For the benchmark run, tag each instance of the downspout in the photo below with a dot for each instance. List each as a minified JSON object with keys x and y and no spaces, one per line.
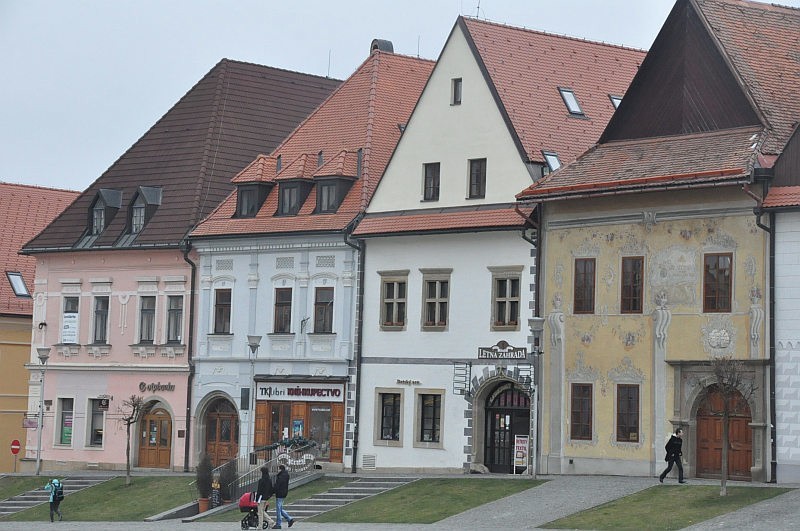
{"x":758,"y":211}
{"x":360,"y":247}
{"x":186,"y":246}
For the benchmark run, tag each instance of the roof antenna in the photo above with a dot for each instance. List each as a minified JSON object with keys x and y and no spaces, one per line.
{"x":417,"y":46}
{"x":478,"y":10}
{"x":329,"y":63}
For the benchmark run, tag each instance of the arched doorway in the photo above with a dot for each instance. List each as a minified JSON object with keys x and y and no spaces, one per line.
{"x":709,"y":438}
{"x":222,"y":431}
{"x":508,"y":413}
{"x":155,"y":447}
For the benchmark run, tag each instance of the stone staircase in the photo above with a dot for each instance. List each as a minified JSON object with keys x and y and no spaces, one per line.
{"x":35,"y":497}
{"x":363,"y":487}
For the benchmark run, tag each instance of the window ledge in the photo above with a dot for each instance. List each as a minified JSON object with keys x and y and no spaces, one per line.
{"x":434,"y":328}
{"x":429,"y":445}
{"x":393,"y":328}
{"x":388,"y":443}
{"x":280,"y":335}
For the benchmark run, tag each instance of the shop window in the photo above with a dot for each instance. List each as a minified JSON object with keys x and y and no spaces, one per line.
{"x":319,"y":429}
{"x":222,"y":311}
{"x":581,"y":412}
{"x":147,"y":319}
{"x":283,"y":311}
{"x":100,"y":320}
{"x":628,"y":413}
{"x":174,"y":318}
{"x":583,"y":289}
{"x":69,"y":321}
{"x":65,"y":415}
{"x":323,"y":311}
{"x":717,"y":282}
{"x":632,"y":273}
{"x":96,"y":423}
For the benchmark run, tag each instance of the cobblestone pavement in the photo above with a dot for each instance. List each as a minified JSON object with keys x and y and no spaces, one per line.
{"x":560,"y":496}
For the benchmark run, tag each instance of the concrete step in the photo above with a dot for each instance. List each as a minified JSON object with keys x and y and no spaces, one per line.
{"x":39,"y":496}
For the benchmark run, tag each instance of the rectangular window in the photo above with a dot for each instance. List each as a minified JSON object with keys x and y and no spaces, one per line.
{"x":100,"y":320}
{"x":65,"y":413}
{"x":505,"y":300}
{"x":222,"y":311}
{"x":571,"y":101}
{"x":435,"y":298}
{"x":581,"y":412}
{"x":390,"y":416}
{"x":96,"y":423}
{"x":431,"y":192}
{"x":323,"y":311}
{"x":18,"y":284}
{"x":552,"y":160}
{"x":98,"y":219}
{"x":283,"y":311}
{"x":717,"y":282}
{"x":455,"y":92}
{"x":627,"y":413}
{"x":174,"y":318}
{"x":430,"y":418}
{"x":289,"y":198}
{"x":147,"y":319}
{"x":248,"y":202}
{"x":69,"y":321}
{"x":393,"y":301}
{"x":326,"y":194}
{"x":632,"y":272}
{"x":477,"y":178}
{"x":584,"y":285}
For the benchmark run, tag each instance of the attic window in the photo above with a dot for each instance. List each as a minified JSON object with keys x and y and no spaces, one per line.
{"x":328,"y":202}
{"x":98,"y":218}
{"x":455,"y":91}
{"x":278,"y":164}
{"x":571,"y":101}
{"x":289,"y":200}
{"x":248,"y":202}
{"x":137,"y":216}
{"x":615,"y":100}
{"x":18,"y":284}
{"x":552,"y":160}
{"x":319,"y":159}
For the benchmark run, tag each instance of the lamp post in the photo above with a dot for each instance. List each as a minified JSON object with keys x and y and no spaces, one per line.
{"x":536,"y":324}
{"x":44,"y":355}
{"x":253,"y":342}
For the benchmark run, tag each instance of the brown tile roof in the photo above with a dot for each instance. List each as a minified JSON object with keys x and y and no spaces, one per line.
{"x":24,"y":211}
{"x":762,"y":41}
{"x":782,"y":196}
{"x":236,"y":111}
{"x":458,"y":219}
{"x":650,"y":163}
{"x":363,"y":113}
{"x":528,"y":67}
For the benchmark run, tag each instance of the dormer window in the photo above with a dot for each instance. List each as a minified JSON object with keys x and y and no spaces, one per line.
{"x":615,"y":100}
{"x":553,"y":162}
{"x":455,"y":91}
{"x":249,"y":198}
{"x":571,"y":101}
{"x":98,"y":218}
{"x":289,"y":201}
{"x":138,"y":215}
{"x":145,"y":203}
{"x":328,"y":202}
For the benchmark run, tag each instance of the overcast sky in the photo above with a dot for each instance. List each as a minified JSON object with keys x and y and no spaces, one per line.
{"x":84,"y":79}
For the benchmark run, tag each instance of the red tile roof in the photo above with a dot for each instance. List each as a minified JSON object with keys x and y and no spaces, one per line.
{"x":761,"y":41}
{"x":442,"y":220}
{"x":363,"y":113}
{"x":782,"y":196}
{"x":24,"y":211}
{"x":649,"y":163}
{"x":236,"y":111}
{"x":528,"y":67}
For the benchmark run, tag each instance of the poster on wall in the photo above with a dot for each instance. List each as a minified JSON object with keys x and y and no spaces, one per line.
{"x":69,"y":328}
{"x":297,"y":428}
{"x":520,"y":453}
{"x":66,"y":428}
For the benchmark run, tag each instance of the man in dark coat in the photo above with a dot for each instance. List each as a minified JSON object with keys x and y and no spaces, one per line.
{"x":281,"y":491}
{"x":263,"y":493}
{"x":674,"y":453}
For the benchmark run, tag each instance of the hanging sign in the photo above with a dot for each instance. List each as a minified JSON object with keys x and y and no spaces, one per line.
{"x":502,"y":351}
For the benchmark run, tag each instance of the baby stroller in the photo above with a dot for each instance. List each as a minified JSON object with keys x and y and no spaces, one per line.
{"x":249,"y":505}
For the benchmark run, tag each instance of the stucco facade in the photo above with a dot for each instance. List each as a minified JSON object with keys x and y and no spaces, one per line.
{"x":662,"y":349}
{"x":15,"y":346}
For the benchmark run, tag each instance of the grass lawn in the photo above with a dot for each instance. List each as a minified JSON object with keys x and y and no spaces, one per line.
{"x":431,"y":500}
{"x":666,"y":507}
{"x":304,"y":491}
{"x":113,"y":501}
{"x":14,"y":485}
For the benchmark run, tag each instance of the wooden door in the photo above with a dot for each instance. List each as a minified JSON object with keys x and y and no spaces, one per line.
{"x":709,"y":440}
{"x":222,"y":432}
{"x":337,"y":432}
{"x":155,"y":447}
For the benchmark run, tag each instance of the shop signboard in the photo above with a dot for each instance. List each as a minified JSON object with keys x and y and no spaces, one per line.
{"x":300,"y":392}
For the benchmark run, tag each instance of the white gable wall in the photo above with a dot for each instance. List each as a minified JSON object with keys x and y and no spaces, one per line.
{"x":451,"y":135}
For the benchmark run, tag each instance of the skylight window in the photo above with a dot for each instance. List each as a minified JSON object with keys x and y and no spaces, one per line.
{"x":571,"y":101}
{"x":18,"y":284}
{"x":552,"y":160}
{"x":615,"y":100}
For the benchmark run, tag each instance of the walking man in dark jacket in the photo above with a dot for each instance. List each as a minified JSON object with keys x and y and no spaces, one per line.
{"x":263,"y":493}
{"x":674,"y":453}
{"x":281,"y":490}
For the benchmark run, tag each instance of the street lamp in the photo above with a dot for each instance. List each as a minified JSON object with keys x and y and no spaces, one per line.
{"x":536,"y":324}
{"x":253,"y":342}
{"x":44,"y":355}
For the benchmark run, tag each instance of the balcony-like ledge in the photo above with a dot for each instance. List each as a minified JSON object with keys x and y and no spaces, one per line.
{"x":172,"y":350}
{"x":98,"y":350}
{"x":143,"y":350}
{"x":68,"y":350}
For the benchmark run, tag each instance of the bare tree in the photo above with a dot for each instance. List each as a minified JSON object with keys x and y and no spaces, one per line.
{"x":735,"y":390}
{"x":130,"y":412}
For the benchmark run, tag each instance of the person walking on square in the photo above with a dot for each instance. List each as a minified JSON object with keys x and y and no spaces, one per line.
{"x":281,"y":491}
{"x":674,"y":455}
{"x":263,"y":493}
{"x":56,"y":490}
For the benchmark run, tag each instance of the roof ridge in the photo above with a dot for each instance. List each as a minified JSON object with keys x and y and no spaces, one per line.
{"x":373,"y":89}
{"x":275,"y":68}
{"x":655,"y":139}
{"x":40,"y":187}
{"x":551,"y":34}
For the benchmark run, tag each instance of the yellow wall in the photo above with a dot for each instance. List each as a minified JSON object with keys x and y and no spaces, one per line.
{"x":15,"y":345}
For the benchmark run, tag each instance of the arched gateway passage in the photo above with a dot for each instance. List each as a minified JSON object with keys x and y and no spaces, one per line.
{"x":508,"y":413}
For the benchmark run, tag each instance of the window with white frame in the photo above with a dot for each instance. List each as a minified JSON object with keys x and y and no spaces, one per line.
{"x":69,"y":321}
{"x":435,"y":298}
{"x":100,"y":323}
{"x":174,"y":318}
{"x":96,"y":422}
{"x":388,"y":417}
{"x":428,"y":423}
{"x":456,"y":86}
{"x":147,"y":319}
{"x":393,"y":299}
{"x":222,"y":311}
{"x":64,"y":418}
{"x":506,"y":286}
{"x":18,"y":284}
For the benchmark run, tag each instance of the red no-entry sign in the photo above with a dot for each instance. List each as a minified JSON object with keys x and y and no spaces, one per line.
{"x":15,"y":447}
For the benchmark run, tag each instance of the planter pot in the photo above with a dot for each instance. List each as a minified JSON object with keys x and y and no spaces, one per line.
{"x":202,"y":505}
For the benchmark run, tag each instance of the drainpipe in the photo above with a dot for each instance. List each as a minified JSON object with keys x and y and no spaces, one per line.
{"x":360,"y":247}
{"x":186,"y":246}
{"x":758,"y":211}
